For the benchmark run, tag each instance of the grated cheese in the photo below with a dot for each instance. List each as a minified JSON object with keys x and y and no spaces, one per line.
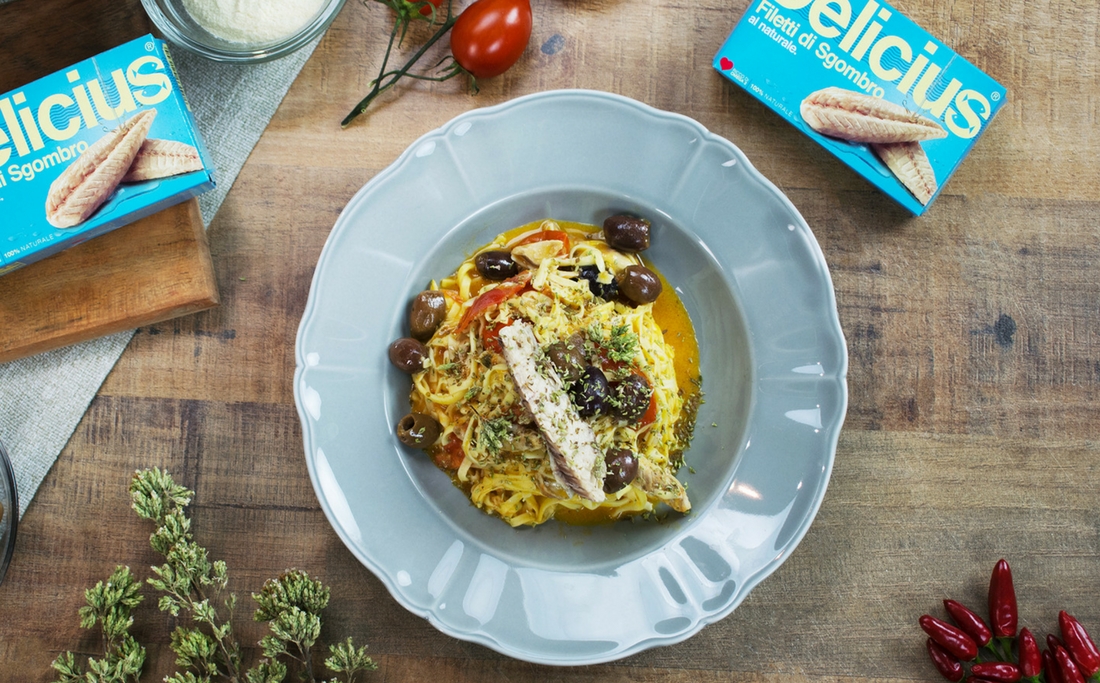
{"x":253,"y":21}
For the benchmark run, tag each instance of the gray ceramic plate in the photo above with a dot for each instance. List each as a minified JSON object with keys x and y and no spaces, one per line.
{"x":772,"y":354}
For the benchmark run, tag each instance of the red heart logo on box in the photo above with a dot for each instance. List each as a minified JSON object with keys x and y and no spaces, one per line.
{"x":725,"y":63}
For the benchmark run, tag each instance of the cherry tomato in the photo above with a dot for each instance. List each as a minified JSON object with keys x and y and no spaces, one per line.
{"x":450,"y":457}
{"x":490,"y":336}
{"x":427,"y":11}
{"x":491,"y":35}
{"x":651,"y":413}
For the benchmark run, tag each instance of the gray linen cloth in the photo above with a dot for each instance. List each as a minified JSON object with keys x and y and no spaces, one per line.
{"x":43,"y":398}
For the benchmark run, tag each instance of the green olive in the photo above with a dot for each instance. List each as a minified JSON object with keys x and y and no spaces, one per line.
{"x":429,"y":310}
{"x":639,"y":284}
{"x":408,"y":355}
{"x":418,"y":430}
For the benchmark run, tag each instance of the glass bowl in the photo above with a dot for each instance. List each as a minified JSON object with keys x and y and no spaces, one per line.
{"x":9,"y":516}
{"x":179,"y":28}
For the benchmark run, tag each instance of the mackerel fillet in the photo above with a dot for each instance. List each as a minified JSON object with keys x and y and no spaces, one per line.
{"x":575,"y":457}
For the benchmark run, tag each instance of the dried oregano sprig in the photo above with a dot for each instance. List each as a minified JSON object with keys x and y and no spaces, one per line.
{"x":188,"y":580}
{"x":193,"y":585}
{"x":109,"y":605}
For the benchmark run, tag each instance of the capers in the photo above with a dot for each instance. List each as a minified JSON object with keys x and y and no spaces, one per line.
{"x":632,"y":397}
{"x":590,"y":392}
{"x":429,"y":310}
{"x":495,"y":264}
{"x":626,"y":233}
{"x":418,"y":430}
{"x":622,"y":468}
{"x":567,"y":358}
{"x":408,"y":355}
{"x":639,"y":284}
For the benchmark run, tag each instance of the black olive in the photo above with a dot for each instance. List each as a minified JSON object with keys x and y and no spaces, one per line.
{"x":418,"y":430}
{"x":495,"y":264}
{"x":429,"y":310}
{"x":626,"y":233}
{"x":408,"y":355}
{"x":567,"y":358}
{"x":639,"y":284}
{"x":590,"y":392}
{"x":622,"y":467}
{"x":608,"y":291}
{"x":632,"y":396}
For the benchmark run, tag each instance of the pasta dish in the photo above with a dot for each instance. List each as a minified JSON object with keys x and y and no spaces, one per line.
{"x":554,"y":375}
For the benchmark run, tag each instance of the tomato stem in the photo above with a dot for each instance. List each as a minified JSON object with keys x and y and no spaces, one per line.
{"x":378,"y":87}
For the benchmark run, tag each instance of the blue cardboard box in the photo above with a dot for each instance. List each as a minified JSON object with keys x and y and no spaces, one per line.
{"x":93,"y":147}
{"x":875,"y":89}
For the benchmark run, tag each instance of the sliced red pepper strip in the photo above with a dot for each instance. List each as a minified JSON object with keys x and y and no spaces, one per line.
{"x":1031,"y":663}
{"x":543,"y":236}
{"x":1002,"y":601}
{"x":946,"y":663}
{"x":1079,"y":644}
{"x":1002,"y":672}
{"x":493,"y":297}
{"x":950,"y":638}
{"x":970,"y":622}
{"x":1068,"y":668}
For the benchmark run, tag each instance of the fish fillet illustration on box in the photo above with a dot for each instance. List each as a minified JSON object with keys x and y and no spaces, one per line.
{"x":93,"y":147}
{"x":872,"y":87}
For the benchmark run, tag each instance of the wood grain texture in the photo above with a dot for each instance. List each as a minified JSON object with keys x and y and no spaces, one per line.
{"x":973,"y":333}
{"x":151,"y":270}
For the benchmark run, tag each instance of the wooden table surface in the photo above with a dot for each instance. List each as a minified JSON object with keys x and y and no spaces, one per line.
{"x":973,"y":333}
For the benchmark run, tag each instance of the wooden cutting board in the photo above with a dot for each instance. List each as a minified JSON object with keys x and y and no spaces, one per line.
{"x":154,"y":269}
{"x":145,"y":272}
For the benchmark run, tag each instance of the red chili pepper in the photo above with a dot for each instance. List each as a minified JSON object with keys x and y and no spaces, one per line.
{"x":1003,"y":672}
{"x":1002,"y":601}
{"x":950,"y":638}
{"x":1050,"y":668}
{"x":1031,"y":664}
{"x":969,"y":622}
{"x":1053,"y":643}
{"x":1070,"y":672}
{"x":1079,"y":644}
{"x":946,"y":663}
